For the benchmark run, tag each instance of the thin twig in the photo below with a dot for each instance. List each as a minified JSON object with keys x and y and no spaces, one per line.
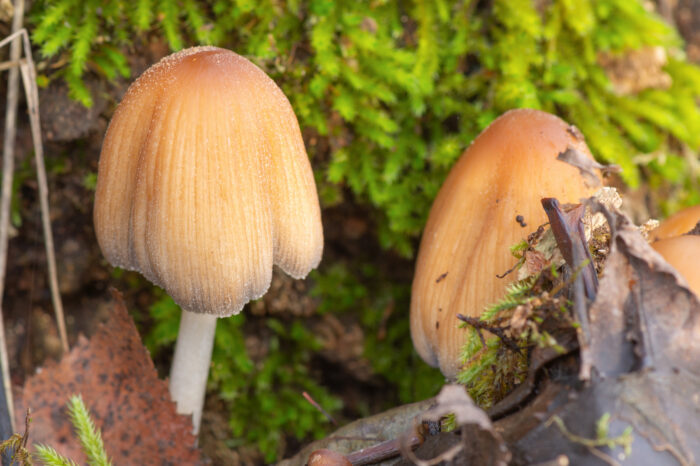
{"x":480,"y":325}
{"x":6,"y":65}
{"x":28,"y":73}
{"x":8,"y":168}
{"x":29,"y":79}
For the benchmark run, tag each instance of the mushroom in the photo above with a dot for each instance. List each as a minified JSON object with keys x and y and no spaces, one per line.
{"x":204,"y":184}
{"x":493,"y":189}
{"x":325,"y":457}
{"x":683,"y":253}
{"x":677,"y":224}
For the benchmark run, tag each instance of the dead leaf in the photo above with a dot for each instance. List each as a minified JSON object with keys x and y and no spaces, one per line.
{"x":642,"y":364}
{"x":644,"y":316}
{"x":366,"y":432}
{"x":586,"y":166}
{"x":118,"y":382}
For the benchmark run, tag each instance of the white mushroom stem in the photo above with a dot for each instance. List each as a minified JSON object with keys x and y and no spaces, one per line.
{"x":190,"y":369}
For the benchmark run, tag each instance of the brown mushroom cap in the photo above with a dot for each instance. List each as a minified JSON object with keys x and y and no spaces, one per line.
{"x":504,"y":174}
{"x":683,"y":253}
{"x":325,"y":457}
{"x":677,"y":224}
{"x":204,"y":182}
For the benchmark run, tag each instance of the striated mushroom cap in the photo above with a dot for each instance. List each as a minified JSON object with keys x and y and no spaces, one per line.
{"x":677,"y":224}
{"x":505,"y":173}
{"x":683,"y":253}
{"x":204,"y":182}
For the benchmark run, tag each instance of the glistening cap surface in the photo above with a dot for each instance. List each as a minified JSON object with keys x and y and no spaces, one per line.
{"x":204,"y":182}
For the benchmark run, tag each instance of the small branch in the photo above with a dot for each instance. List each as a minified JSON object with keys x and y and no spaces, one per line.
{"x":29,"y":79}
{"x":479,"y":325}
{"x":6,"y":65}
{"x":567,"y":228}
{"x":8,"y":168}
{"x":27,"y":69}
{"x":571,"y":240}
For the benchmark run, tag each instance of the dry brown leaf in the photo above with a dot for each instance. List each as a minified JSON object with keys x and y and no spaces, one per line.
{"x":644,"y":316}
{"x":118,"y":382}
{"x":586,"y":166}
{"x":366,"y":432}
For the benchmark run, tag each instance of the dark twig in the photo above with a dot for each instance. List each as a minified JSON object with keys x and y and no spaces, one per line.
{"x":480,"y":325}
{"x":512,"y":269}
{"x":568,"y":231}
{"x":567,"y":228}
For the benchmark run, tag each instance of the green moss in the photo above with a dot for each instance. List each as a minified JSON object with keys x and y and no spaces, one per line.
{"x":269,"y":390}
{"x":389,"y":93}
{"x":399,"y":89}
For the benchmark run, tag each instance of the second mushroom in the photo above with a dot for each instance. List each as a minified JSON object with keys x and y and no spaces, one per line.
{"x":490,"y":196}
{"x":203,"y":185}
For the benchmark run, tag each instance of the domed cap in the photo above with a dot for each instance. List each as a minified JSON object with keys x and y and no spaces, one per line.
{"x":677,"y":224}
{"x":683,"y":253}
{"x":204,"y":182}
{"x":495,"y":186}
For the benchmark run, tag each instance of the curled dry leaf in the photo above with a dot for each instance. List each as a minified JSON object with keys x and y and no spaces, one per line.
{"x":367,"y":432}
{"x":652,"y":413}
{"x":642,"y":364}
{"x":586,"y":165}
{"x":644,"y":316}
{"x":118,"y":382}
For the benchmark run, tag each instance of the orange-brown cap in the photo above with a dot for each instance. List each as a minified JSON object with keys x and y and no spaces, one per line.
{"x":677,"y":224}
{"x":204,"y":182}
{"x":325,"y":457}
{"x":683,"y":253}
{"x":508,"y":168}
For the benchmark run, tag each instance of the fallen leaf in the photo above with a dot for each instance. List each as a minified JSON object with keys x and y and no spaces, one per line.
{"x":366,"y":432}
{"x":586,"y":166}
{"x":642,"y":365}
{"x":658,"y":410}
{"x":120,"y":387}
{"x":645,"y":316}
